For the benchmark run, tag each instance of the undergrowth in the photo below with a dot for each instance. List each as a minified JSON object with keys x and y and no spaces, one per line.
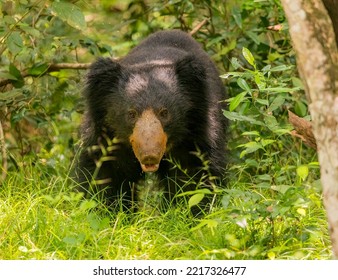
{"x":41,"y":218}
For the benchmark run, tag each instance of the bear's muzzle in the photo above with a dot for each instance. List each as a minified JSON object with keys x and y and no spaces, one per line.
{"x":148,"y":141}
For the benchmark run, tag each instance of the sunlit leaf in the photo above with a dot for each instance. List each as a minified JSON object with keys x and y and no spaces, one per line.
{"x":195,"y":199}
{"x":266,"y":142}
{"x":236,"y":101}
{"x":301,"y":211}
{"x":260,"y":81}
{"x":69,"y":13}
{"x":38,"y":69}
{"x":303,"y":172}
{"x":280,"y":68}
{"x":248,"y":56}
{"x":251,"y":133}
{"x":280,"y":89}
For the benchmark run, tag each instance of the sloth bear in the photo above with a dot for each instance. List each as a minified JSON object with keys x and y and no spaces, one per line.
{"x":162,"y":103}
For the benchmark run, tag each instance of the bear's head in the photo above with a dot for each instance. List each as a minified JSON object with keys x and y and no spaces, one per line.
{"x":147,"y":105}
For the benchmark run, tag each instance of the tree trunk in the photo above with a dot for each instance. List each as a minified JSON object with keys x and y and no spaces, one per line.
{"x":332,"y":8}
{"x":317,"y":61}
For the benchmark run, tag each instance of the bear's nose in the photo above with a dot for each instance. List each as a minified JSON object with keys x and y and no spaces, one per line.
{"x":150,"y":163}
{"x":148,"y":141}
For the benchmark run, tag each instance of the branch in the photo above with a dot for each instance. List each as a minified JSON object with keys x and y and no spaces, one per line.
{"x":74,"y":66}
{"x":303,"y":130}
{"x":198,"y":27}
{"x":53,"y":67}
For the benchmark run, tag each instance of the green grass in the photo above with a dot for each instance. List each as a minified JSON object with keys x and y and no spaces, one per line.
{"x":41,"y":218}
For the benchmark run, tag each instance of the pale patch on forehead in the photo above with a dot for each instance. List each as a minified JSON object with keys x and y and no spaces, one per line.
{"x":152,"y":63}
{"x":166,"y":76}
{"x":160,"y":70}
{"x":136,"y":83}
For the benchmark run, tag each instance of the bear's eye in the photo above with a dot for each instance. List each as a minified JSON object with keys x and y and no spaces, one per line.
{"x":132,"y":115}
{"x":163,"y":114}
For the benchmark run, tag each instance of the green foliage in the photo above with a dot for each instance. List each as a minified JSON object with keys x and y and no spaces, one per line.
{"x":271,"y":188}
{"x":33,"y":35}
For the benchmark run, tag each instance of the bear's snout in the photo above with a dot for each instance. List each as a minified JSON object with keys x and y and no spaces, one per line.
{"x":148,"y":141}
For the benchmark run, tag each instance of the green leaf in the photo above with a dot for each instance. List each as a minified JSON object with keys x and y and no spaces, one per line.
{"x":313,"y":164}
{"x":271,"y":255}
{"x":303,"y":172}
{"x":260,"y":80}
{"x":14,"y":43}
{"x":264,"y":177}
{"x":276,"y":103}
{"x":236,"y":13}
{"x":195,"y":199}
{"x":211,"y":224}
{"x":266,"y":142}
{"x":229,"y":47}
{"x":281,"y":188}
{"x":280,"y":68}
{"x":38,"y":69}
{"x":236,"y":101}
{"x":262,"y":101}
{"x":243,"y":84}
{"x":300,"y":109}
{"x":251,"y":133}
{"x":231,"y":74}
{"x":7,"y":76}
{"x":234,"y":116}
{"x":254,"y":37}
{"x":70,"y":14}
{"x":235,"y":63}
{"x":248,"y":57}
{"x":280,"y":89}
{"x":70,"y":240}
{"x":271,"y":122}
{"x":86,"y":205}
{"x":301,"y":211}
{"x":266,"y":69}
{"x":10,"y":95}
{"x":297,"y":82}
{"x":30,"y":30}
{"x":200,"y":191}
{"x":250,"y":147}
{"x":18,"y":82}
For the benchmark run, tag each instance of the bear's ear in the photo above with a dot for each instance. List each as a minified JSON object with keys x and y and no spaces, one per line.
{"x":190,"y":71}
{"x":103,"y":76}
{"x":102,"y":81}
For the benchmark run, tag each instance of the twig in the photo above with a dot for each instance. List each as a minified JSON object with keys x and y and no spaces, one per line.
{"x":51,"y":68}
{"x":75,"y":66}
{"x":198,"y":26}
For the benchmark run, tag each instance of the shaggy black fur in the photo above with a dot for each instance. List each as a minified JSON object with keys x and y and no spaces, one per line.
{"x":170,"y":71}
